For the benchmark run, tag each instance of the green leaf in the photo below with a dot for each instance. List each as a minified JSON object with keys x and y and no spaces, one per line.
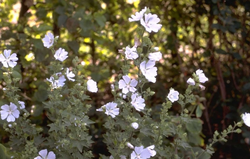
{"x":100,"y":19}
{"x":74,"y":45}
{"x":198,"y":112}
{"x":220,"y":51}
{"x":16,"y":74}
{"x":62,"y":20}
{"x":3,"y":152}
{"x":194,"y":125}
{"x":41,"y":95}
{"x":202,"y":154}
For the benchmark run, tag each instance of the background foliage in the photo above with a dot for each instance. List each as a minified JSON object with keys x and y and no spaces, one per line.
{"x":209,"y":34}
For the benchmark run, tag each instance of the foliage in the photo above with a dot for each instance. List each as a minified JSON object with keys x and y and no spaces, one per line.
{"x":211,"y":35}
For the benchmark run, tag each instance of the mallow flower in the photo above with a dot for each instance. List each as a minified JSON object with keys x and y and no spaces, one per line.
{"x":173,"y":95}
{"x":148,"y":70}
{"x":92,"y":86}
{"x":22,"y":104}
{"x":48,"y":40}
{"x":70,"y":75}
{"x":135,"y":125}
{"x":131,"y":53}
{"x":246,"y":118}
{"x":57,"y":83}
{"x":155,"y":56}
{"x":61,"y":54}
{"x":43,"y":154}
{"x":151,"y":22}
{"x":201,"y":75}
{"x":191,"y":81}
{"x":110,"y":109}
{"x":127,"y":85}
{"x":151,"y":150}
{"x":10,"y":112}
{"x":137,"y":101}
{"x":8,"y":59}
{"x":138,"y":15}
{"x":140,"y":153}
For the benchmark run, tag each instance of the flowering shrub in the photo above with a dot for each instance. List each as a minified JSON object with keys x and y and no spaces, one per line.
{"x":132,"y":129}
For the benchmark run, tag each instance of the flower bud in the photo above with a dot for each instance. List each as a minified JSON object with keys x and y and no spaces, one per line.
{"x":130,"y":145}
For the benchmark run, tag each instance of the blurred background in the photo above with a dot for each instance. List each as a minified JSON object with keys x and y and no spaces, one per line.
{"x":212,"y":35}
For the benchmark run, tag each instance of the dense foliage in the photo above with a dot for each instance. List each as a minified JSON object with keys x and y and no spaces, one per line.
{"x":212,"y":35}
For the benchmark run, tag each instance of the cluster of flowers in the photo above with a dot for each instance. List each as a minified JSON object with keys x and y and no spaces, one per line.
{"x":126,"y":84}
{"x":62,"y":55}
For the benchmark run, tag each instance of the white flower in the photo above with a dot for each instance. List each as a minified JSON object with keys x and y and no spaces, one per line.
{"x":10,"y":112}
{"x":156,"y":48}
{"x":202,"y":87}
{"x":48,"y":40}
{"x":140,"y":153}
{"x":151,"y":150}
{"x":148,"y":70}
{"x":246,"y":119}
{"x":135,"y":125}
{"x":22,"y":104}
{"x":122,"y":157}
{"x":110,"y":109}
{"x":138,"y":15}
{"x":130,"y":145}
{"x":191,"y":81}
{"x":127,"y":85}
{"x":57,"y":83}
{"x":137,"y":102}
{"x":61,"y":54}
{"x":156,"y":56}
{"x":150,"y":23}
{"x":70,"y":75}
{"x":173,"y":95}
{"x":45,"y":155}
{"x":92,"y":86}
{"x":7,"y":59}
{"x":131,"y":53}
{"x":201,"y":75}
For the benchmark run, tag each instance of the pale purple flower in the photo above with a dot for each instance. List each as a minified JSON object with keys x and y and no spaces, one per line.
{"x":201,"y":75}
{"x":137,"y":102}
{"x":22,"y":104}
{"x":8,"y":59}
{"x":61,"y":54}
{"x":155,"y":56}
{"x":138,"y":15}
{"x":246,"y":118}
{"x":148,"y":70}
{"x":151,"y":150}
{"x":191,"y":81}
{"x":110,"y":109}
{"x":150,"y":22}
{"x":70,"y":75}
{"x":57,"y":83}
{"x":48,"y":40}
{"x":45,"y":155}
{"x":135,"y":125}
{"x":92,"y":86}
{"x":140,"y":153}
{"x":127,"y":85}
{"x":10,"y":112}
{"x":173,"y":95}
{"x":131,"y":53}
